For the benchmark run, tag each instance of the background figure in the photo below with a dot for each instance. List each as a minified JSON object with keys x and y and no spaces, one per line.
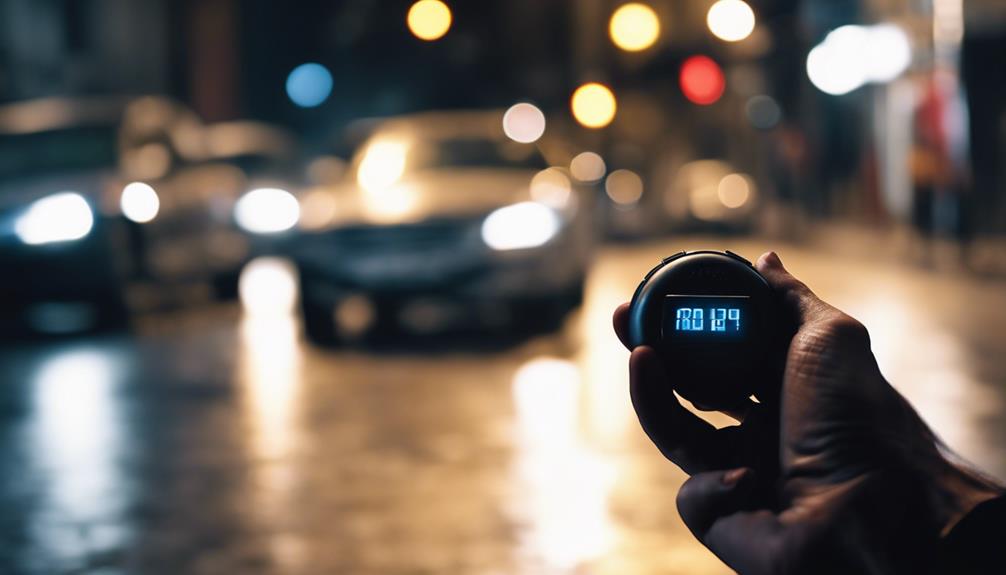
{"x":939,"y":165}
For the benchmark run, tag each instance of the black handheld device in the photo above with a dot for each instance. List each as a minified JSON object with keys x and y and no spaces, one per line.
{"x":715,"y":322}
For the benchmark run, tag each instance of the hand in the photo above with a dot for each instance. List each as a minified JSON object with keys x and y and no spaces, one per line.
{"x":841,"y":476}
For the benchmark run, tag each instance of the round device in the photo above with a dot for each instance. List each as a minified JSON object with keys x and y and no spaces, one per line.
{"x":715,"y":322}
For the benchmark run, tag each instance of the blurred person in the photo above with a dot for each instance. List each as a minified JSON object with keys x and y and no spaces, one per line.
{"x":857,"y":483}
{"x":939,"y":164}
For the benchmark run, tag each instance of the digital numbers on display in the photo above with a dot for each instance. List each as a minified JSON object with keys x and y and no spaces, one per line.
{"x":713,"y":319}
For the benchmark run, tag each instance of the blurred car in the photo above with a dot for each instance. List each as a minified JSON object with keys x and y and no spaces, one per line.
{"x":215,"y":214}
{"x":442,"y":224}
{"x":62,"y":164}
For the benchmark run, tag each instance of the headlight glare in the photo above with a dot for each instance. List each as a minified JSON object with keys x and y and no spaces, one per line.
{"x":520,"y":226}
{"x":267,"y":211}
{"x":61,"y":217}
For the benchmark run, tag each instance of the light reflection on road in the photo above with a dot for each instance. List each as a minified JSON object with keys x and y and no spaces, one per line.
{"x":78,"y":438}
{"x":565,"y":484}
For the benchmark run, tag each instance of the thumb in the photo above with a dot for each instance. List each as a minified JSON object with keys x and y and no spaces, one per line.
{"x":799,"y":300}
{"x":714,"y":506}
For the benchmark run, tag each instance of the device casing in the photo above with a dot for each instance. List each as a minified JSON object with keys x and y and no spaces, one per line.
{"x":713,"y":374}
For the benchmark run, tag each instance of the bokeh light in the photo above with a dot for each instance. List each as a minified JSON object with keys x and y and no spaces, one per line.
{"x":851,"y":56}
{"x":61,"y":217}
{"x":634,"y":27}
{"x":524,"y":123}
{"x":429,"y":19}
{"x":309,"y":85}
{"x":890,"y":53}
{"x":763,"y":112}
{"x":702,"y":80}
{"x":733,"y":190}
{"x":731,"y":20}
{"x":268,"y":286}
{"x":587,"y":167}
{"x":382,"y":165}
{"x":139,"y":202}
{"x":593,"y":105}
{"x":836,"y":66}
{"x":624,"y":187}
{"x":267,"y":211}
{"x":551,"y":187}
{"x":520,"y":226}
{"x":317,"y":209}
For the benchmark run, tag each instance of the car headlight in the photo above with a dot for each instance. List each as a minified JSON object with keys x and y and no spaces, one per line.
{"x":267,"y":211}
{"x":520,"y":226}
{"x":61,"y":217}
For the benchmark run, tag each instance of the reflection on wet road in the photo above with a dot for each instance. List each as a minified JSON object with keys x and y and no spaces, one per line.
{"x":218,"y":442}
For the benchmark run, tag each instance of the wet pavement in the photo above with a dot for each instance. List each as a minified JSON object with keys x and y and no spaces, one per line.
{"x":218,"y":442}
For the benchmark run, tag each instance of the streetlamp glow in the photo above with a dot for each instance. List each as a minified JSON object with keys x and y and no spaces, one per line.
{"x":634,"y":27}
{"x":593,"y":105}
{"x":429,"y":19}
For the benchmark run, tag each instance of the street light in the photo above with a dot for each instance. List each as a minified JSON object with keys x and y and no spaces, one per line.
{"x":593,"y":105}
{"x":731,"y":20}
{"x":634,"y":27}
{"x":429,"y":19}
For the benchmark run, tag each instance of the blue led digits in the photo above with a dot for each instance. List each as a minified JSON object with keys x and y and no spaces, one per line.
{"x":721,"y":319}
{"x":699,"y":316}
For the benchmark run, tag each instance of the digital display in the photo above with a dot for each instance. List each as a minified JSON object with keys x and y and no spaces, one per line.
{"x":705,"y":316}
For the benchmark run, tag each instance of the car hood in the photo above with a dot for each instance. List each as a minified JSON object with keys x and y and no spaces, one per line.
{"x":427,"y":195}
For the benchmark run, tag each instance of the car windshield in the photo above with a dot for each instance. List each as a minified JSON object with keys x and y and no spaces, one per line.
{"x":386,"y":154}
{"x":477,"y":153}
{"x":58,"y":151}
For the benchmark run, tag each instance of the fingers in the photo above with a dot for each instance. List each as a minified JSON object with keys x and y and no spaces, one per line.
{"x":713,"y":506}
{"x":620,"y":320}
{"x":802,"y":302}
{"x":683,"y":437}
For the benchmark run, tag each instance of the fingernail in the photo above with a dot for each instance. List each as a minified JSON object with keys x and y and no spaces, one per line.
{"x":734,"y":475}
{"x":772,"y":259}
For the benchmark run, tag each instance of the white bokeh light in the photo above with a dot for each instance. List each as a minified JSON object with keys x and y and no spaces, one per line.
{"x":852,"y":56}
{"x":267,"y":211}
{"x":61,"y":217}
{"x":731,"y":20}
{"x":890,"y":53}
{"x":524,"y":123}
{"x":268,"y":286}
{"x":139,"y":202}
{"x":520,"y":226}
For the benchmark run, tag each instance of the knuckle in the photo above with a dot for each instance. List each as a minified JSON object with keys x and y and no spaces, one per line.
{"x":846,"y":330}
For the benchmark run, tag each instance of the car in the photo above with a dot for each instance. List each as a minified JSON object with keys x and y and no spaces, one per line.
{"x":62,"y":164}
{"x":108,"y":206}
{"x":441,"y":225}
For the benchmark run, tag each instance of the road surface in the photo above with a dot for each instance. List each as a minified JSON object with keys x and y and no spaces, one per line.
{"x":217,"y":441}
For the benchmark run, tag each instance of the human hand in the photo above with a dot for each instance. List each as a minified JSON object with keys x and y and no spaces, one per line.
{"x":841,"y":476}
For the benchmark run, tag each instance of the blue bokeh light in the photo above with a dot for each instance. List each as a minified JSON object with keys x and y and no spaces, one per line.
{"x":309,"y":85}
